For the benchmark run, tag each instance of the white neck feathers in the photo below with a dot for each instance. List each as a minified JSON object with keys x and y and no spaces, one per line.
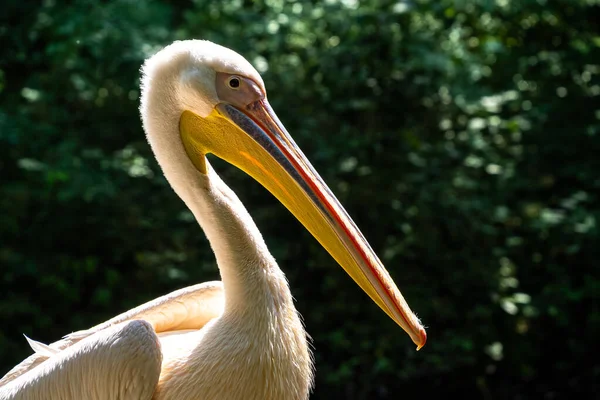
{"x":174,"y":81}
{"x":258,"y":302}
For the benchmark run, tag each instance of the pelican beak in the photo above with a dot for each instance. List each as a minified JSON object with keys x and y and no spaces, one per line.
{"x":253,"y":139}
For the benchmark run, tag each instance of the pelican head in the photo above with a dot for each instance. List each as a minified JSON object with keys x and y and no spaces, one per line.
{"x":219,"y":103}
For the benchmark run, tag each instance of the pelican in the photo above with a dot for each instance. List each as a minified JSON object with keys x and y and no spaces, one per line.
{"x":241,"y":337}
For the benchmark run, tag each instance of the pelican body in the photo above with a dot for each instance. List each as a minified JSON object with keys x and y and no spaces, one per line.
{"x":241,"y":337}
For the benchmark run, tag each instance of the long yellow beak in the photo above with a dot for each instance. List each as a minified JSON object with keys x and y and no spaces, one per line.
{"x":254,"y":140}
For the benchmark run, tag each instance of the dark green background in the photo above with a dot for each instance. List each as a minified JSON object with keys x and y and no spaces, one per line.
{"x":462,"y":136}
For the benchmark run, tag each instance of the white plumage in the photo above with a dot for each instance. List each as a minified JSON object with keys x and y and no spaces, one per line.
{"x":242,"y":338}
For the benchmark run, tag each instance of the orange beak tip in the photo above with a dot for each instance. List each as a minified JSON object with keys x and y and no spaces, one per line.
{"x":422,"y":339}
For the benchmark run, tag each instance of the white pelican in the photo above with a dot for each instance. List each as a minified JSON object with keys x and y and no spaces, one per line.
{"x":242,"y":338}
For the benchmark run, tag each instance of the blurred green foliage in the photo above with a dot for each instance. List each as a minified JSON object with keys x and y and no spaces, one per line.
{"x":462,"y":136}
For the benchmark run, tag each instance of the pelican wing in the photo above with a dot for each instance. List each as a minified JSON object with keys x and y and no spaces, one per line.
{"x":120,"y":362}
{"x":188,"y":308}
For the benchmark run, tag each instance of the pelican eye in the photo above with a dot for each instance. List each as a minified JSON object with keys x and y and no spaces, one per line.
{"x":234,"y":82}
